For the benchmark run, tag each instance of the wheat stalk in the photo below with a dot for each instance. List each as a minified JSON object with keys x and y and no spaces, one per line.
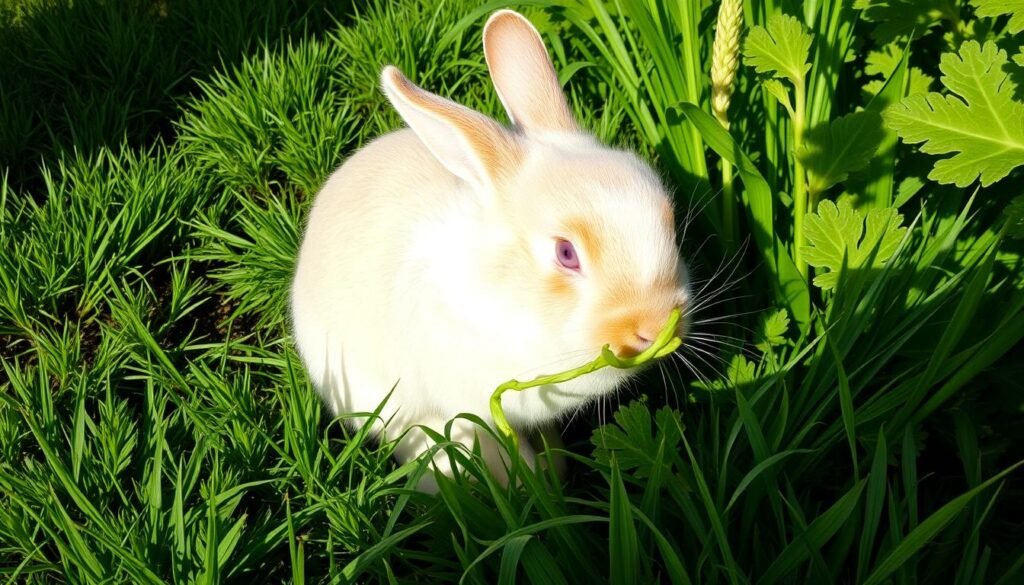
{"x":725,"y":57}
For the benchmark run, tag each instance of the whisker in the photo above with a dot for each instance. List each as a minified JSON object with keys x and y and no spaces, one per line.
{"x":717,"y":319}
{"x":720,"y":373}
{"x":709,"y":354}
{"x":711,"y":339}
{"x":700,"y":376}
{"x":709,"y":302}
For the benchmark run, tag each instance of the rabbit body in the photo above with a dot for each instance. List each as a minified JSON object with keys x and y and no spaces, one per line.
{"x":428,"y":262}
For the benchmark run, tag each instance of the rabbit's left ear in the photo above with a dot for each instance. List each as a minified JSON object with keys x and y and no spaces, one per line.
{"x":472,"y":146}
{"x":523,"y":75}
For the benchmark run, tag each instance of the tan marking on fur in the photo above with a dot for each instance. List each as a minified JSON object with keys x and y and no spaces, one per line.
{"x":668,"y":215}
{"x":558,"y":286}
{"x":582,"y":233}
{"x":621,"y":295}
{"x":620,"y":333}
{"x":496,"y":148}
{"x":665,"y":285}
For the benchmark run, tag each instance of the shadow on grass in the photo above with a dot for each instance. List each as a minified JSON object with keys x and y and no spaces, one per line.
{"x":87,"y":74}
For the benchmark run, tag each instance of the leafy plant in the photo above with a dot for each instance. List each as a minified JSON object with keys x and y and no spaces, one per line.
{"x":854,"y":420}
{"x":950,"y":123}
{"x":840,"y":239}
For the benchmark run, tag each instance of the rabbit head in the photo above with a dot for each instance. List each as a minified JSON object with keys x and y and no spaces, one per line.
{"x":581,"y":234}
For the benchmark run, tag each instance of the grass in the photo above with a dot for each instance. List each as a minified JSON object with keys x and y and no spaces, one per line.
{"x":157,"y":160}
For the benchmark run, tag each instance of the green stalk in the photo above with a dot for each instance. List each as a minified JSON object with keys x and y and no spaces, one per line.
{"x":729,"y":203}
{"x":799,"y":177}
{"x":725,"y":61}
{"x":664,"y":344}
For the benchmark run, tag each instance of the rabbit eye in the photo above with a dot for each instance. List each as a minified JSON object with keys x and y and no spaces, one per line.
{"x":566,"y":255}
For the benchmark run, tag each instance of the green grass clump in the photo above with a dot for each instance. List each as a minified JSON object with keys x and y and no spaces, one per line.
{"x":88,"y":74}
{"x":843,"y":410}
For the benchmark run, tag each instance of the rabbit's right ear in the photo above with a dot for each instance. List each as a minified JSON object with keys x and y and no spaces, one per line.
{"x":524,"y":76}
{"x":470,"y":145}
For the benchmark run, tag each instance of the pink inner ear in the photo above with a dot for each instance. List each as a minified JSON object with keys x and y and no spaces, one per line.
{"x":523,"y":75}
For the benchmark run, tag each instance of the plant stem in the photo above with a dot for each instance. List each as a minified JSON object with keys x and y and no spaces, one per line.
{"x":728,"y":203}
{"x":799,"y":178}
{"x":664,"y":344}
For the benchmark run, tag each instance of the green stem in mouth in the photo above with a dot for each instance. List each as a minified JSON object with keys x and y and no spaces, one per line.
{"x":665,"y":343}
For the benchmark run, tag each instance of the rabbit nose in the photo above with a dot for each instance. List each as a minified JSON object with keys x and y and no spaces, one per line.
{"x":642,"y":341}
{"x":634,"y":347}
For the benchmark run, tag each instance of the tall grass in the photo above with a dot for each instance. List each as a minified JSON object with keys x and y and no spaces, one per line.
{"x":849,"y":417}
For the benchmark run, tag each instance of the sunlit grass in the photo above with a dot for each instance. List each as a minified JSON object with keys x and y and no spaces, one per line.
{"x":156,"y":424}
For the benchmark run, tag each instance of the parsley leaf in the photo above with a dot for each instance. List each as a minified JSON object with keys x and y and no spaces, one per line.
{"x":773,"y":331}
{"x":994,"y":8}
{"x":837,"y":231}
{"x":982,"y":123}
{"x":781,"y":49}
{"x":740,"y":370}
{"x":883,"y":62}
{"x":900,"y":18}
{"x":775,"y":88}
{"x":634,"y":440}
{"x":830,"y":152}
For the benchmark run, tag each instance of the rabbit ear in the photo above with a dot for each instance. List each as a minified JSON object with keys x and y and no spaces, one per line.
{"x":523,"y":75}
{"x":470,"y":145}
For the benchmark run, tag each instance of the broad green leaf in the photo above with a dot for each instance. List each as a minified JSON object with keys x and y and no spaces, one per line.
{"x":773,"y":331}
{"x":837,"y":231}
{"x":781,"y":49}
{"x":981,"y":124}
{"x":900,"y":18}
{"x":996,"y":8}
{"x":884,"y":62}
{"x":635,"y":437}
{"x":830,"y":153}
{"x":741,"y":370}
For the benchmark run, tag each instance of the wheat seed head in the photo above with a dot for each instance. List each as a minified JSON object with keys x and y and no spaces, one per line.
{"x":725,"y":57}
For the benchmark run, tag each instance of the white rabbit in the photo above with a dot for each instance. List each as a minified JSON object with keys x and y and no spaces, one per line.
{"x":444,"y":259}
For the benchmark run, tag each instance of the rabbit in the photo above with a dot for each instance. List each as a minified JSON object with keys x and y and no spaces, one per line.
{"x":443,"y":259}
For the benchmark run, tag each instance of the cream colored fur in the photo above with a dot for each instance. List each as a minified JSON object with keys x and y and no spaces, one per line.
{"x":427,"y":263}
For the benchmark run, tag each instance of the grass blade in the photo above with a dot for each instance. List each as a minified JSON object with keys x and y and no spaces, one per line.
{"x":929,"y":529}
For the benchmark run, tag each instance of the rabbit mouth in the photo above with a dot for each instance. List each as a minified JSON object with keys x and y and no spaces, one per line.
{"x":630,"y":332}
